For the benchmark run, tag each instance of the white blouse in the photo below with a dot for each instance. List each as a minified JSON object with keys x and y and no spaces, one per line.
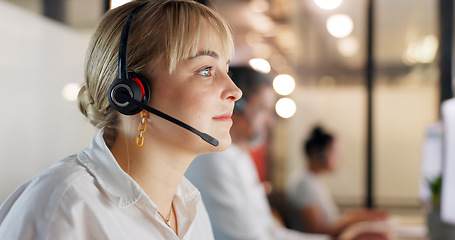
{"x":235,"y":198}
{"x":88,"y":196}
{"x":305,"y":189}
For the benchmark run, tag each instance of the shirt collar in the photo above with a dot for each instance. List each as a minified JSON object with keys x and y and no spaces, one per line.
{"x":185,"y":203}
{"x":100,"y":162}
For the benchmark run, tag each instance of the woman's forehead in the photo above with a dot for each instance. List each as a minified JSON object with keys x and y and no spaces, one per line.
{"x":211,"y":41}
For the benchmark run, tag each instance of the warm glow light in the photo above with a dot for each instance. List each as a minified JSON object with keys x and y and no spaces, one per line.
{"x":348,"y":46}
{"x":286,"y":38}
{"x":260,"y":65}
{"x":261,"y":22}
{"x":284,"y":84}
{"x":328,"y":4}
{"x":285,"y":107}
{"x":253,"y":37}
{"x":259,"y":5}
{"x":428,"y":48}
{"x":340,"y":25}
{"x":422,"y":51}
{"x":116,"y":3}
{"x":70,"y":91}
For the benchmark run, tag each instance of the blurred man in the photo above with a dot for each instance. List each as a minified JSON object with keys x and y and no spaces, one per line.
{"x":228,"y":181}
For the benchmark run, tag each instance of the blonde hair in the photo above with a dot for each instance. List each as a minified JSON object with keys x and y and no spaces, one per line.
{"x":164,"y":31}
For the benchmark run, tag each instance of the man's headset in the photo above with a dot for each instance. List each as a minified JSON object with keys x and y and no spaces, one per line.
{"x":129,"y":93}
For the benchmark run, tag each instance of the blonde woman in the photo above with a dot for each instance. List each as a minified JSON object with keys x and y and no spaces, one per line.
{"x":128,"y":183}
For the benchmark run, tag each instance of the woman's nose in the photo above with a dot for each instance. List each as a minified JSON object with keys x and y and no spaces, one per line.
{"x":232,"y":92}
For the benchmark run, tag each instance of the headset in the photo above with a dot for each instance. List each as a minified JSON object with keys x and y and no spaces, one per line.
{"x":129,"y":93}
{"x":127,"y":83}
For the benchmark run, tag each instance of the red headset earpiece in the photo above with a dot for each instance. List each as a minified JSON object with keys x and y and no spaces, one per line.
{"x":127,"y":84}
{"x":136,"y":87}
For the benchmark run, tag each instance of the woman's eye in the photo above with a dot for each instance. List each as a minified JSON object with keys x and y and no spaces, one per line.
{"x":206,"y":72}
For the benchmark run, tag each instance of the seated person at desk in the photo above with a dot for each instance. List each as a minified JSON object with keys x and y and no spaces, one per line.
{"x":316,"y":209}
{"x":128,"y":183}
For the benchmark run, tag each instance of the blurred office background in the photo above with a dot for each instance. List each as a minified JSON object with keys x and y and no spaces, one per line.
{"x":43,"y":45}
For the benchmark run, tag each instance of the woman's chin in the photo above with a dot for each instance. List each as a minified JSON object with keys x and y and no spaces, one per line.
{"x":224,"y":143}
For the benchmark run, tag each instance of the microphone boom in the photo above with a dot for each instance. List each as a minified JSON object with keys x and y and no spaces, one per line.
{"x":204,"y":136}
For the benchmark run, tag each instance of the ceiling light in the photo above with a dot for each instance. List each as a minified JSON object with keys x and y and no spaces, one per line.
{"x":70,"y":91}
{"x":260,"y":65}
{"x":285,"y":107}
{"x":328,"y":4}
{"x":340,"y":25}
{"x":284,"y":84}
{"x":348,"y":46}
{"x":116,"y":3}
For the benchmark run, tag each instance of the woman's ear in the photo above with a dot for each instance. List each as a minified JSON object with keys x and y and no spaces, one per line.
{"x":321,"y":157}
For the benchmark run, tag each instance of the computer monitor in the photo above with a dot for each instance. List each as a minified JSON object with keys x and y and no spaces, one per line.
{"x":431,"y":160}
{"x":448,"y":164}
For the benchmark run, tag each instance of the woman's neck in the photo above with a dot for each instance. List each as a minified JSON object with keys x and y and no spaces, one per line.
{"x":158,"y":169}
{"x":316,"y":169}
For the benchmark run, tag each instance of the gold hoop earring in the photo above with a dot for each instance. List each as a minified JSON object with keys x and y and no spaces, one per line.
{"x":141,"y":129}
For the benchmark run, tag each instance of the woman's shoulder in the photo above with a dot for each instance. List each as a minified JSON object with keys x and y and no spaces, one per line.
{"x":36,"y":201}
{"x":55,"y":180}
{"x":49,"y":185}
{"x":301,"y":184}
{"x":300,"y":177}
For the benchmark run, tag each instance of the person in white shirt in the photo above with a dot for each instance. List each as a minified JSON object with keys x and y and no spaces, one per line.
{"x":128,"y":183}
{"x":315,"y":209}
{"x":228,"y":181}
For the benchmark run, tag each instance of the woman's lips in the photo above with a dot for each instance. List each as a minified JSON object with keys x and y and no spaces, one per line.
{"x":225,"y":117}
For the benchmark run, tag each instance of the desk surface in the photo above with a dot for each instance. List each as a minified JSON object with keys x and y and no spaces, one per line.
{"x":398,"y":227}
{"x":410,"y":227}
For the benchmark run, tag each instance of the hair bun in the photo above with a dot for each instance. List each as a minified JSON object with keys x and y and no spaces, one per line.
{"x":318,"y":131}
{"x":318,"y":140}
{"x":96,"y":115}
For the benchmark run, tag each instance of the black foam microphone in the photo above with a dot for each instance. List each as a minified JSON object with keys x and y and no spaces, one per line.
{"x":204,"y":136}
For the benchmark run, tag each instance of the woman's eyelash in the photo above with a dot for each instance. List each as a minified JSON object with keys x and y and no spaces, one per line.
{"x":207,"y":71}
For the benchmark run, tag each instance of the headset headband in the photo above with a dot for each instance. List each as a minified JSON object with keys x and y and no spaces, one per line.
{"x":123,"y":46}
